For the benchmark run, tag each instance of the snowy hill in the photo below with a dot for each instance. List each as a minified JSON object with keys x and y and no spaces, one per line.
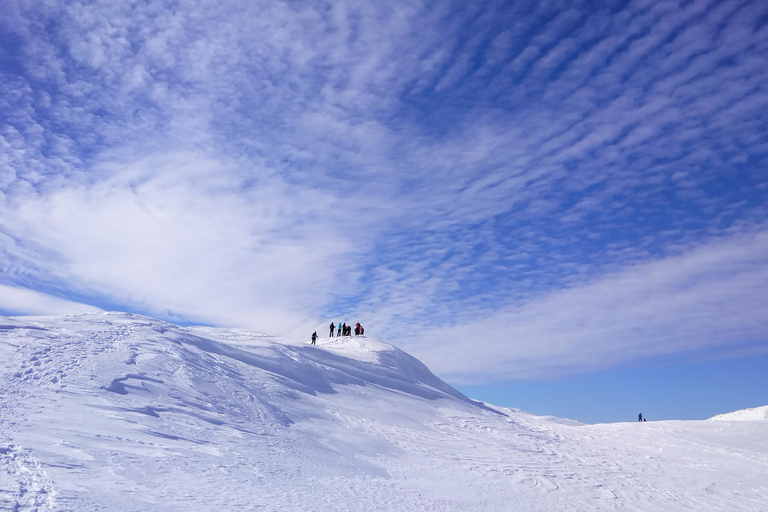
{"x":113,"y":411}
{"x":754,"y":414}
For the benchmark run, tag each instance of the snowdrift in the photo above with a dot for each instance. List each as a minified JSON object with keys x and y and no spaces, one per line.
{"x":112,"y":411}
{"x":754,"y":414}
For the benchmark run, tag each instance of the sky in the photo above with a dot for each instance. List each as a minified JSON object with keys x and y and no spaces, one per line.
{"x":552,"y":194}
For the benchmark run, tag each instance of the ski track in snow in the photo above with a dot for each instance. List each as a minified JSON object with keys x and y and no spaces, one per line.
{"x":114,"y":411}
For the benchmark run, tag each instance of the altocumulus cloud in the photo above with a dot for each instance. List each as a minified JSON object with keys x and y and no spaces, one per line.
{"x":539,"y":189}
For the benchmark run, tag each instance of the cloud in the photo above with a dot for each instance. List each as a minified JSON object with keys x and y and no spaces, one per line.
{"x":20,"y":301}
{"x":269,"y":164}
{"x":178,"y":235}
{"x":703,"y":303}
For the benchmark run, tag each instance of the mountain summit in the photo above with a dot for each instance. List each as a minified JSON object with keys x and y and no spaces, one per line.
{"x":113,"y":411}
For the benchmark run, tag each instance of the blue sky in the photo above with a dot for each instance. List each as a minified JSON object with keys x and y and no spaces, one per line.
{"x":516,"y":193}
{"x":666,"y":390}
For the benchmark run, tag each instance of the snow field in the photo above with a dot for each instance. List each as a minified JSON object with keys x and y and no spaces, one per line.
{"x":120,"y":412}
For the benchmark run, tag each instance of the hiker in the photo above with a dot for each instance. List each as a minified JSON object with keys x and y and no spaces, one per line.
{"x":344,"y":329}
{"x":314,"y":338}
{"x":333,"y":327}
{"x":338,"y":331}
{"x":362,"y":331}
{"x":357,"y":329}
{"x":640,"y":417}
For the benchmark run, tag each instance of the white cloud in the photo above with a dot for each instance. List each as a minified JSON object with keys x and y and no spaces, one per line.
{"x":21,"y":301}
{"x":178,"y":235}
{"x":707,"y":302}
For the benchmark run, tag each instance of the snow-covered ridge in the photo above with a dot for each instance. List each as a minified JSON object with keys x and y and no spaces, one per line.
{"x":111,"y":411}
{"x":753,"y":414}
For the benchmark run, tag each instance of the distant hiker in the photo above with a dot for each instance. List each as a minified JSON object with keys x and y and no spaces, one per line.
{"x":344,"y":329}
{"x":314,"y":338}
{"x":338,"y":331}
{"x":362,"y":331}
{"x":357,"y":329}
{"x":640,"y":417}
{"x":333,"y":327}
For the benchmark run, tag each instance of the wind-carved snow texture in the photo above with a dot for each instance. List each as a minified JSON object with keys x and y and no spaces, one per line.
{"x":113,"y":411}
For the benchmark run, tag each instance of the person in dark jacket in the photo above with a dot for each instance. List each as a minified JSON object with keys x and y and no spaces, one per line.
{"x":314,"y":338}
{"x":640,"y":417}
{"x":344,"y":329}
{"x":357,"y":329}
{"x":333,"y":328}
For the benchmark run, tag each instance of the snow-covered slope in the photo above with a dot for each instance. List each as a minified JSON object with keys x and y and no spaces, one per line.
{"x":754,"y":414}
{"x":113,"y":411}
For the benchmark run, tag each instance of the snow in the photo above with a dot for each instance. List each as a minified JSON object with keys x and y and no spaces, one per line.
{"x":754,"y":414}
{"x":112,"y":411}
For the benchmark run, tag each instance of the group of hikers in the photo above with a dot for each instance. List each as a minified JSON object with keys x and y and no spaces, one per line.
{"x":342,"y":330}
{"x":346,"y":330}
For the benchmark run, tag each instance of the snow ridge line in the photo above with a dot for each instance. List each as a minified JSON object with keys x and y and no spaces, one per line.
{"x":32,"y":488}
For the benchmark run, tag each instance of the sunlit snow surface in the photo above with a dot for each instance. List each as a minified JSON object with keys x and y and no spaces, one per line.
{"x":121,"y":412}
{"x":756,"y":413}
